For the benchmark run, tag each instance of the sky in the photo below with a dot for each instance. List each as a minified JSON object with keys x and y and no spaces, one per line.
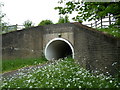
{"x":18,"y":11}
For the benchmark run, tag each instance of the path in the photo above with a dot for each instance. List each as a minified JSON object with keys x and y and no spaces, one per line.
{"x":24,"y":70}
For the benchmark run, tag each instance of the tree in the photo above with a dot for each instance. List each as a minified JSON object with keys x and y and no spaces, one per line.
{"x":3,"y":24}
{"x":63,"y":20}
{"x":45,"y":22}
{"x":28,"y":24}
{"x":90,"y":10}
{"x":1,"y":14}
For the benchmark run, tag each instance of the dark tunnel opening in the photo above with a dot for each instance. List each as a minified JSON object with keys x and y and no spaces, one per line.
{"x":58,"y":49}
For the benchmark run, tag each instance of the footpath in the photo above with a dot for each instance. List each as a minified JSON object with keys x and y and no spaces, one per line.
{"x":28,"y":69}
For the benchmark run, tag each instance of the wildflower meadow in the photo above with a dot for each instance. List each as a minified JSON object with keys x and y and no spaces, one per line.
{"x":60,"y":74}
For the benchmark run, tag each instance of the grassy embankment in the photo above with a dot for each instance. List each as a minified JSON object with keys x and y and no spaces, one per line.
{"x":111,"y":30}
{"x":9,"y":65}
{"x":61,"y":74}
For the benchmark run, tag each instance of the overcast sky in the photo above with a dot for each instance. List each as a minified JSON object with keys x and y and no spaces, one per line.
{"x":18,"y":11}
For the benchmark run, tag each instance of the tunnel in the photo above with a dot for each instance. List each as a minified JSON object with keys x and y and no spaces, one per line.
{"x":58,"y":48}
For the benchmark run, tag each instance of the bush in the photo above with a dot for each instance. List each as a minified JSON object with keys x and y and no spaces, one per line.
{"x":45,"y":22}
{"x":28,"y":24}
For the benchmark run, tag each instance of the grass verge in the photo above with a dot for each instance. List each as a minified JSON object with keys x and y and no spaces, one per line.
{"x":9,"y":65}
{"x":61,"y":74}
{"x":112,"y":31}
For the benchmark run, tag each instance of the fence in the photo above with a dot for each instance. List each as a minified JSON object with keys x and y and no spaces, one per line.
{"x":6,"y":29}
{"x":103,"y":22}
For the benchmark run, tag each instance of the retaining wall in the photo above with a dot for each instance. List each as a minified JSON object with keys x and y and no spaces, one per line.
{"x":93,"y":49}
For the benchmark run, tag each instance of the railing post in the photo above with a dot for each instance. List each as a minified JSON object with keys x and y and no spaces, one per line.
{"x":91,"y":24}
{"x":16,"y":27}
{"x":95,"y":23}
{"x":109,"y":20}
{"x":101,"y":22}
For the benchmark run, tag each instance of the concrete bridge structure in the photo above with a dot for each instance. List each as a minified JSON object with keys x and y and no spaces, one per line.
{"x":94,"y":50}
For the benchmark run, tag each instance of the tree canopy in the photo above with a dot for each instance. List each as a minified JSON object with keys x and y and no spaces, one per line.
{"x":88,"y":11}
{"x":28,"y":24}
{"x":45,"y":22}
{"x":1,"y":14}
{"x":63,"y":20}
{"x":3,"y":24}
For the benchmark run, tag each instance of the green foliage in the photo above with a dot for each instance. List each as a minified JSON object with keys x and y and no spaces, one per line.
{"x":77,"y":18}
{"x":45,"y":22}
{"x":28,"y":24}
{"x":63,"y":20}
{"x":60,"y":74}
{"x":3,"y":24}
{"x":8,"y":65}
{"x":111,"y":30}
{"x":91,"y":10}
{"x":1,"y":14}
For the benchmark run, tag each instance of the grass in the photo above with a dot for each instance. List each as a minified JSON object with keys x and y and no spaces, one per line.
{"x":112,"y":31}
{"x":61,"y":74}
{"x":8,"y":65}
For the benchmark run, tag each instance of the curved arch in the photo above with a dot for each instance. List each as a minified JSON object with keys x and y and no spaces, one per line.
{"x":59,"y":44}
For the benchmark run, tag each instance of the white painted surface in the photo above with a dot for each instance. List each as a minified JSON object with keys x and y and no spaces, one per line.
{"x":49,"y":51}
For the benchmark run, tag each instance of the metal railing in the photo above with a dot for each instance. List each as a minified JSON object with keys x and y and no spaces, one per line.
{"x":103,"y":22}
{"x":10,"y":28}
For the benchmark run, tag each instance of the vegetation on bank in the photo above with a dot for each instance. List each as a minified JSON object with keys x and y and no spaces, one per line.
{"x":8,"y":65}
{"x":112,"y":31}
{"x":60,"y":74}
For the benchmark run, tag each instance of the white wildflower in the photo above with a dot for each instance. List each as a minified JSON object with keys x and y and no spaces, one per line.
{"x":28,"y":81}
{"x":68,"y":85}
{"x":110,"y":81}
{"x":30,"y":87}
{"x":79,"y":72}
{"x":105,"y":67}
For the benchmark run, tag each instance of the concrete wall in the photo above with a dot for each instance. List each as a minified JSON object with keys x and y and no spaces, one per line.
{"x":26,"y":43}
{"x":93,"y":49}
{"x":96,"y":51}
{"x":52,"y":31}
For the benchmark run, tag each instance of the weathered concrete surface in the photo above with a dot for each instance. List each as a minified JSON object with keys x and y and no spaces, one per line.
{"x":96,"y":51}
{"x":22,"y":44}
{"x":93,"y":49}
{"x":52,"y":31}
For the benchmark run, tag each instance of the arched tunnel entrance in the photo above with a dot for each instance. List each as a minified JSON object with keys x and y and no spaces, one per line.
{"x":58,"y":48}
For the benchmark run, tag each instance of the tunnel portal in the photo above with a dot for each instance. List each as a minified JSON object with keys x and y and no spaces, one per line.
{"x":58,"y":48}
